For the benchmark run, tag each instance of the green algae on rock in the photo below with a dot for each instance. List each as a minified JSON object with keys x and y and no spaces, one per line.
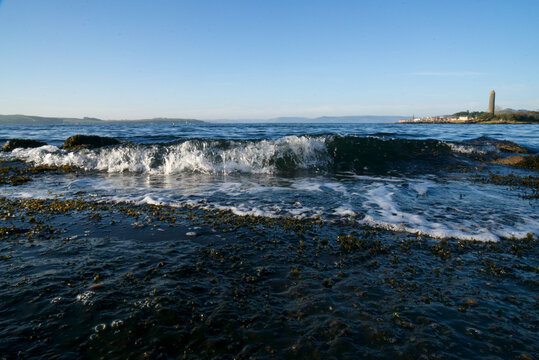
{"x":526,"y":162}
{"x":21,"y":143}
{"x":529,"y":162}
{"x":77,"y":142}
{"x":510,"y":147}
{"x":15,"y":173}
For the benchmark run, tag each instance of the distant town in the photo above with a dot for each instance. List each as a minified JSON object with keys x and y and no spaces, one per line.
{"x":439,"y":119}
{"x":491,"y":116}
{"x":505,"y":116}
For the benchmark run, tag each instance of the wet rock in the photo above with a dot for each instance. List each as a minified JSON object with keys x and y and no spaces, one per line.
{"x":530,"y":162}
{"x":471,"y":302}
{"x":510,"y":147}
{"x":527,"y":162}
{"x":21,"y":143}
{"x":511,"y":160}
{"x":77,"y":142}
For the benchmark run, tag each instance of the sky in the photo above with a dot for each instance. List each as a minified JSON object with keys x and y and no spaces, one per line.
{"x":131,"y":59}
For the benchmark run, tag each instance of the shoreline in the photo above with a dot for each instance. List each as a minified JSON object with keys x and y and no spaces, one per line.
{"x":330,"y":289}
{"x":469,"y":123}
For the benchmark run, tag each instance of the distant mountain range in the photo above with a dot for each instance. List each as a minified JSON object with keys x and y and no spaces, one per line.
{"x":338,"y":119}
{"x":40,"y":120}
{"x":320,"y":120}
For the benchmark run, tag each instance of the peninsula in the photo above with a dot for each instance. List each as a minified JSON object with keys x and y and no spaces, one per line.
{"x":507,"y":116}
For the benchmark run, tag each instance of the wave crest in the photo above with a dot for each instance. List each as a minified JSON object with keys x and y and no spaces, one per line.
{"x":284,"y":155}
{"x":201,"y":156}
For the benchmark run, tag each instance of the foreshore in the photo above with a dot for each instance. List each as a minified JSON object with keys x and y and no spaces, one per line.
{"x":119,"y":280}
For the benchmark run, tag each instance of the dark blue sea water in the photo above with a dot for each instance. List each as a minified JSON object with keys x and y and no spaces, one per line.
{"x":265,"y":241}
{"x":154,"y":133}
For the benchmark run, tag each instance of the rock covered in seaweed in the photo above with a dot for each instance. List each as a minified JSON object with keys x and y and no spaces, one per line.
{"x":526,"y":162}
{"x":510,"y":147}
{"x":21,"y":143}
{"x":504,"y":146}
{"x":77,"y":142}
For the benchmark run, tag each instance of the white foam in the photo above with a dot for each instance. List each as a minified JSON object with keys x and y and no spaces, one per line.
{"x":86,"y":297}
{"x":437,"y":231}
{"x":344,"y":211}
{"x":150,"y":200}
{"x":383,"y":212}
{"x":464,"y":149}
{"x":485,"y":212}
{"x":211,"y":156}
{"x":421,"y":187}
{"x":306,"y":186}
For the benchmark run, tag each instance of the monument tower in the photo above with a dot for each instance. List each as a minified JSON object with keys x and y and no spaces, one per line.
{"x":491,"y":102}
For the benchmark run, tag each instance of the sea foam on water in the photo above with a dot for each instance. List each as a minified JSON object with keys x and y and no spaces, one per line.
{"x":384,"y":183}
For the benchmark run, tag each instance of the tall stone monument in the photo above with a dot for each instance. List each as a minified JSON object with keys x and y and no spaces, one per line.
{"x":491,"y":102}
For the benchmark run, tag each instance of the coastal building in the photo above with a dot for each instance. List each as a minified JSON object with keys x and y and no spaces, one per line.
{"x":411,"y":120}
{"x":491,"y":102}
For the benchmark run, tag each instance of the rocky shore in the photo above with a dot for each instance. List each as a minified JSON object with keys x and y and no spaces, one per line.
{"x":133,"y":281}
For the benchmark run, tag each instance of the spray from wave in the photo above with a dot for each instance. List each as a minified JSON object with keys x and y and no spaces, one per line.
{"x":285,"y":155}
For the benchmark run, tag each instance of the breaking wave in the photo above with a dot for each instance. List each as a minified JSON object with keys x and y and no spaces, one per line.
{"x":362,"y":155}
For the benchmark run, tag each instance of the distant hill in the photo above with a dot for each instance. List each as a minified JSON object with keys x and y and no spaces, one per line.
{"x":158,"y":120}
{"x":511,"y":111}
{"x":40,"y":120}
{"x":338,"y":119}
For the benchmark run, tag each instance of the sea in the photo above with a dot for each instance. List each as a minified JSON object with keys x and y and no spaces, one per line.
{"x":400,"y":177}
{"x":270,"y":241}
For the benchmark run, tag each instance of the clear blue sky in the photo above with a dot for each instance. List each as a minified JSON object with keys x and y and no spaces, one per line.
{"x":260,"y":59}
